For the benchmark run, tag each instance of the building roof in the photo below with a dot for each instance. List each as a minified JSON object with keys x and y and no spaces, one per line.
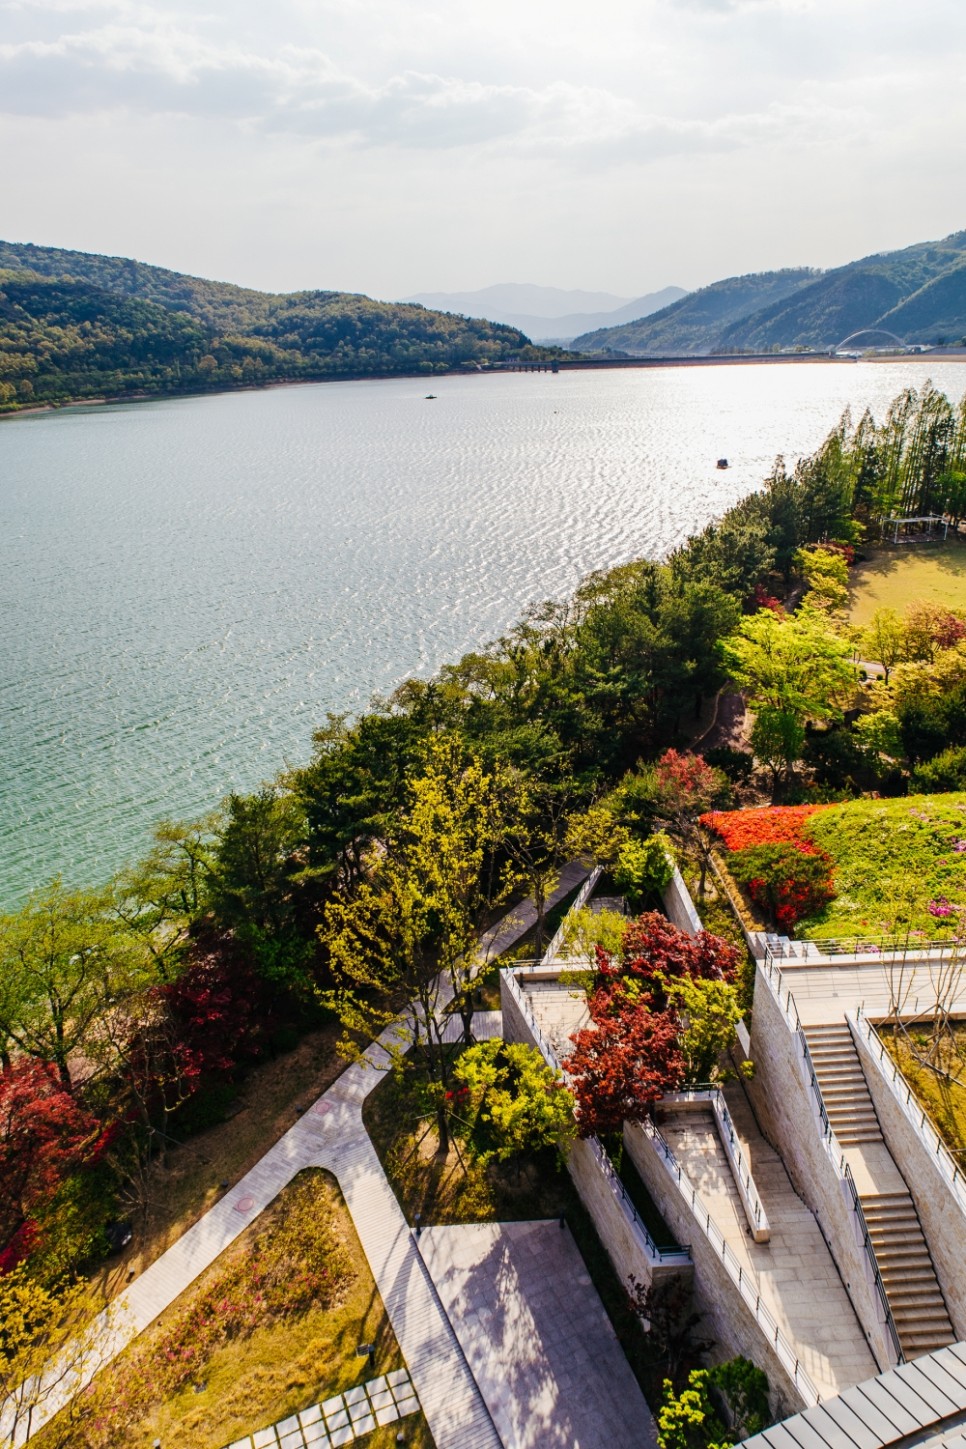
{"x":920,"y":1403}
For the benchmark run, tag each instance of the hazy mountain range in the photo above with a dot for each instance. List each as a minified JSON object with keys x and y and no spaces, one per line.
{"x":917,"y":295}
{"x":549,"y":314}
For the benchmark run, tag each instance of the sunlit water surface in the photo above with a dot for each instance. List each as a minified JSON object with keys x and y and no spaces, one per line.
{"x":187,"y":587}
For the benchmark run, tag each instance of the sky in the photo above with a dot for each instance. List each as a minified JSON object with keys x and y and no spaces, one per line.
{"x":398,"y":146}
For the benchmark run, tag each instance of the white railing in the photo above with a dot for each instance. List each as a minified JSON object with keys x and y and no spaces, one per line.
{"x":713,"y":1097}
{"x":910,"y":1106}
{"x":581,"y":899}
{"x":833,"y":1150}
{"x":745,"y":1280}
{"x":833,"y":949}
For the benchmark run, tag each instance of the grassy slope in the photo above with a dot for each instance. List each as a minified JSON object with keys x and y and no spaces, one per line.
{"x":891,"y":858}
{"x":900,"y":577}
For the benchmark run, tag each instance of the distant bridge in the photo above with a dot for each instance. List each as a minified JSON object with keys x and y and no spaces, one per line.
{"x":870,"y":332}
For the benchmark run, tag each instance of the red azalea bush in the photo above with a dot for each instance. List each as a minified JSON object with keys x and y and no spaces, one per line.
{"x":768,"y":825}
{"x":785,"y":880}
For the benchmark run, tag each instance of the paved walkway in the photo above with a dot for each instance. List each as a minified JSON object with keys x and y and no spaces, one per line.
{"x":537,"y":1338}
{"x":794,"y":1271}
{"x":331,"y":1135}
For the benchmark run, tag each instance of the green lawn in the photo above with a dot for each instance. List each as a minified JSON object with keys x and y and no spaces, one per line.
{"x":891,"y":859}
{"x":896,"y":578}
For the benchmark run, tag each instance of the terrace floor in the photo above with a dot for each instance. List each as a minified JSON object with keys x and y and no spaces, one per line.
{"x":794,"y":1272}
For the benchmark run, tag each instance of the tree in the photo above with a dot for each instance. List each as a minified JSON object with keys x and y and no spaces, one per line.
{"x":794,"y":665}
{"x":253,"y":885}
{"x":45,"y":1135}
{"x":644,"y":868}
{"x":46,"y":1354}
{"x":827,"y":576}
{"x":708,"y":1012}
{"x":677,"y":791}
{"x":623,"y":1063}
{"x":884,"y":640}
{"x":63,"y":965}
{"x":655,"y":953}
{"x":689,"y":1420}
{"x":519,"y":1103}
{"x":408,"y":932}
{"x":163,"y":894}
{"x":778,"y":739}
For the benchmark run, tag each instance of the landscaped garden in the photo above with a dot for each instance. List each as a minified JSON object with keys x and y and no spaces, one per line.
{"x":269,"y":1329}
{"x":933,"y":1061}
{"x":860,"y":869}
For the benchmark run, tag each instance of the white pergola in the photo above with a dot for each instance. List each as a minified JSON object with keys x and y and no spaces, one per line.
{"x":931,"y":522}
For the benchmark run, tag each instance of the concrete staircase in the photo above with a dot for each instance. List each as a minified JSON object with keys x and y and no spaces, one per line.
{"x":900,"y":1249}
{"x":908,"y":1275}
{"x":843,"y":1085}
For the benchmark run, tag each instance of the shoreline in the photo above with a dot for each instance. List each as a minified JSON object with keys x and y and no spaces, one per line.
{"x":500,"y":369}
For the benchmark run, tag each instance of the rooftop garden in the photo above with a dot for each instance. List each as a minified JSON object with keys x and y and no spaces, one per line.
{"x":863,"y":868}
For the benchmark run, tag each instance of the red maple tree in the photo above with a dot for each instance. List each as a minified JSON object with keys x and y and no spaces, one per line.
{"x":45,"y":1135}
{"x":630,"y":1056}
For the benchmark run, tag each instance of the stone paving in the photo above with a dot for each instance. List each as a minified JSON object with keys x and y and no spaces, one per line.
{"x":536,"y":1336}
{"x":794,"y":1272}
{"x":331,"y":1135}
{"x":341,"y":1419}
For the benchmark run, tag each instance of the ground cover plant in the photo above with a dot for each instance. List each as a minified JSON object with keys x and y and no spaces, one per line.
{"x":270,"y":1328}
{"x":935,"y":1067}
{"x":897,"y":866}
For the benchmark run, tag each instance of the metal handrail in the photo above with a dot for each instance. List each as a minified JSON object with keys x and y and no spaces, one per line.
{"x":747,"y":1282}
{"x":832,"y":947}
{"x":835,"y":1153}
{"x":915,"y":1113}
{"x":581,"y":899}
{"x":742,"y":1171}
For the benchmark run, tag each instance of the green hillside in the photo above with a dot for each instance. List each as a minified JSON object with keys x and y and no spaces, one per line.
{"x":918,"y":293}
{"x":75,"y":325}
{"x":691,"y":324}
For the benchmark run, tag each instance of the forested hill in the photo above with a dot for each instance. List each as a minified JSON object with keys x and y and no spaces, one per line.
{"x":75,"y":325}
{"x":918,"y":294}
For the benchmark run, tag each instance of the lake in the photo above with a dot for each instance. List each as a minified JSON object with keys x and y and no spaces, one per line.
{"x":187,"y":587}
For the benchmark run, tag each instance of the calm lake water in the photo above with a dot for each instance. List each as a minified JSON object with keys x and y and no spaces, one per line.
{"x":187,"y":587}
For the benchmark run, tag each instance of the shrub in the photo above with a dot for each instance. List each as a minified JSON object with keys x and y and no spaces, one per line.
{"x":769,"y":825}
{"x":945,"y":771}
{"x":736,"y":765}
{"x":785,"y":880}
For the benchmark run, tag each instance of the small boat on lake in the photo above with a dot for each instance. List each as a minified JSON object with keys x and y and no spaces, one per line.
{"x":430,"y":397}
{"x":723,"y":463}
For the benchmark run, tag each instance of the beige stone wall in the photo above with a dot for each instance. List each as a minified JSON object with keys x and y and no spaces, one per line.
{"x":784,"y":1104}
{"x":940,"y":1209}
{"x":679,"y":906}
{"x":615,"y":1229}
{"x":732,"y":1322}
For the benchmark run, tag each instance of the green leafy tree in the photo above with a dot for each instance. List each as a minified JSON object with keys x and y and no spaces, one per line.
{"x":408,"y":932}
{"x":796,"y":665}
{"x":518,"y":1103}
{"x":827,"y":576}
{"x":160,"y":897}
{"x":64,"y":965}
{"x":884,"y":640}
{"x":46,"y":1352}
{"x":644,"y":868}
{"x":708,"y":1012}
{"x":778,"y":739}
{"x":689,"y":1420}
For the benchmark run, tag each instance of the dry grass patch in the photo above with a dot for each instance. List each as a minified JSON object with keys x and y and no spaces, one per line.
{"x":896,"y":578}
{"x":942,"y":1092}
{"x":267,"y":1330}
